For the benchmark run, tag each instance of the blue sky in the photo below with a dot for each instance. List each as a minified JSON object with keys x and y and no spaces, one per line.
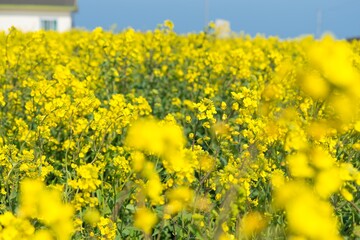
{"x":284,"y":18}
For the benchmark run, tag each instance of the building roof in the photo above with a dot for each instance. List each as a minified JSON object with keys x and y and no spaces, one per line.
{"x":68,"y":5}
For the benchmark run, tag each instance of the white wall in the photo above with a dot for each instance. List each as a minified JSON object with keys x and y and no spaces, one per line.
{"x":31,"y":20}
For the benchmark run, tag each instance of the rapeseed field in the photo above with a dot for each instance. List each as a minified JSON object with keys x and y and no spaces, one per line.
{"x":156,"y":135}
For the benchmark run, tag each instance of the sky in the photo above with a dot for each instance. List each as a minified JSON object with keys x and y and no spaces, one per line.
{"x":283,"y":18}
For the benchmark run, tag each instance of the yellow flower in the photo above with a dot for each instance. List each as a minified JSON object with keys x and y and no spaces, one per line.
{"x":314,"y":85}
{"x":155,"y":137}
{"x":179,"y":198}
{"x":237,"y":96}
{"x":154,"y":189}
{"x":46,"y":205}
{"x":2,"y":102}
{"x":299,"y":165}
{"x":337,"y":66}
{"x":107,"y":228}
{"x":321,"y":158}
{"x":138,"y":161}
{"x":92,"y":216}
{"x":169,"y":24}
{"x":13,"y":228}
{"x":43,"y":235}
{"x":252,"y":223}
{"x":277,"y":178}
{"x":328,"y":182}
{"x":346,"y":194}
{"x":145,"y":219}
{"x":306,"y":211}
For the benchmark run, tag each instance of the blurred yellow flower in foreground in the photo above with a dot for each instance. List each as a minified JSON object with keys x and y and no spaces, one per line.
{"x":252,"y":223}
{"x":145,"y":219}
{"x":306,"y":212}
{"x":92,"y":216}
{"x":179,"y":198}
{"x":155,"y":137}
{"x":44,"y":204}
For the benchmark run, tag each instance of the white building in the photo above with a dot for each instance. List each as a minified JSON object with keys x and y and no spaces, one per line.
{"x":222,"y":28}
{"x":33,"y":15}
